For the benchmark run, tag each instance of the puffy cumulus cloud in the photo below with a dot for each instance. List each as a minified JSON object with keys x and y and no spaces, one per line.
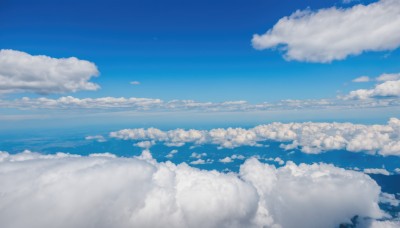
{"x":231,"y":158}
{"x":388,"y":86}
{"x":385,"y":89}
{"x":335,"y":33}
{"x":145,"y":144}
{"x":310,"y":137}
{"x":104,"y":191}
{"x":22,"y":72}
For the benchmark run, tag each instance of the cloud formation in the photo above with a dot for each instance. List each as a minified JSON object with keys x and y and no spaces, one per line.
{"x":22,"y":72}
{"x":157,"y":105}
{"x":388,"y":86}
{"x":362,"y":79}
{"x":309,"y":137}
{"x":103,"y":191}
{"x":335,"y":33}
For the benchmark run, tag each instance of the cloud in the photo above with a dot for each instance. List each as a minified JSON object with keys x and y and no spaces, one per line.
{"x":101,"y":104}
{"x":135,"y":83}
{"x":377,"y":171}
{"x":362,"y":79}
{"x":388,"y":77}
{"x":383,"y":90}
{"x":388,"y":87}
{"x":389,"y":199}
{"x":232,"y":158}
{"x":171,"y":154}
{"x":335,"y":33}
{"x":145,"y":144}
{"x":98,"y":138}
{"x":309,"y":137}
{"x":66,"y":191}
{"x":226,"y":160}
{"x":22,"y":72}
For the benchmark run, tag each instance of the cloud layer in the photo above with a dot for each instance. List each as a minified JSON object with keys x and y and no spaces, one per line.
{"x":309,"y":137}
{"x":335,"y":33}
{"x":156,"y":105}
{"x":22,"y":72}
{"x":104,"y":191}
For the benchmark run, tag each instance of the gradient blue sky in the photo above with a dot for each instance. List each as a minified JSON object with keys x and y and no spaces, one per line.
{"x":181,"y":49}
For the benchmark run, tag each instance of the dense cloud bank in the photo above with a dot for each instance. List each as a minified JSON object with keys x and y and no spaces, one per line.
{"x":335,"y":33}
{"x":310,"y":137}
{"x":102,"y":190}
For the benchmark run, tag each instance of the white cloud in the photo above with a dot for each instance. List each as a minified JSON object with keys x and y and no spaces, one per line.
{"x":226,"y":160}
{"x":382,"y":224}
{"x":385,"y":89}
{"x":389,"y":199}
{"x":65,"y":191}
{"x":388,"y":77}
{"x":362,"y":79}
{"x":98,"y":138}
{"x":135,"y":83}
{"x":309,"y":137}
{"x":145,"y":144}
{"x":388,"y":87}
{"x":22,"y":72}
{"x":335,"y":33}
{"x":232,"y":158}
{"x":279,"y":161}
{"x":171,"y":154}
{"x":102,"y":104}
{"x":377,"y":171}
{"x":198,"y":155}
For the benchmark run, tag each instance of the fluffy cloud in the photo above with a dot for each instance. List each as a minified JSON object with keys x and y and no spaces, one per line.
{"x":335,"y":33}
{"x":22,"y":72}
{"x":385,"y":89}
{"x":102,"y":191}
{"x":389,"y":86}
{"x":309,"y":137}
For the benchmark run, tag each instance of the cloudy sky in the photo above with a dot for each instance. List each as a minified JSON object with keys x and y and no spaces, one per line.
{"x":296,"y":95}
{"x":268,"y":60}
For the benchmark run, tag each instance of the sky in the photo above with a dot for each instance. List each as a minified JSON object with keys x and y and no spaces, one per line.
{"x":199,"y":50}
{"x":114,"y":113}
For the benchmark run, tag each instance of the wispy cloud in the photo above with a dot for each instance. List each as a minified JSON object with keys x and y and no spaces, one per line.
{"x":135,"y":83}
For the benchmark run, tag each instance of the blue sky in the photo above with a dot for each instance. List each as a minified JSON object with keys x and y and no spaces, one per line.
{"x":197,"y":50}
